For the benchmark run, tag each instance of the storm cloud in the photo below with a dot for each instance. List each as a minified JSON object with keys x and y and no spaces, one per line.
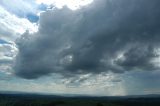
{"x":107,"y":35}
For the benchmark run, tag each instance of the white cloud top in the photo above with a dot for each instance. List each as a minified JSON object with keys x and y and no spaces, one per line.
{"x":72,"y":4}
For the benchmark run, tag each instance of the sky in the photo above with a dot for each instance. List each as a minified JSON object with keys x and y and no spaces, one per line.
{"x":93,"y":47}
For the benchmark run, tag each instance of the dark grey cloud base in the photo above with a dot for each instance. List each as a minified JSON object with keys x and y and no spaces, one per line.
{"x":108,"y":35}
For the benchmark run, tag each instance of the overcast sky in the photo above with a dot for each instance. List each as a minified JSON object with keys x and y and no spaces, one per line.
{"x":95,"y":47}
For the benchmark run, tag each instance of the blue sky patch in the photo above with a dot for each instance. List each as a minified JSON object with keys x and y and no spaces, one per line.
{"x":3,"y":41}
{"x":32,"y":17}
{"x":42,"y":7}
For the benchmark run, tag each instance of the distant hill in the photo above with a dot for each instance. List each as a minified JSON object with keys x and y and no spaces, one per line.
{"x":74,"y":95}
{"x":38,"y":99}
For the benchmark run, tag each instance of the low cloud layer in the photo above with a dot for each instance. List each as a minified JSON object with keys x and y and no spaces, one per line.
{"x":107,"y":35}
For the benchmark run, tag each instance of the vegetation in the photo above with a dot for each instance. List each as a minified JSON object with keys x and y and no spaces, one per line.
{"x":37,"y":100}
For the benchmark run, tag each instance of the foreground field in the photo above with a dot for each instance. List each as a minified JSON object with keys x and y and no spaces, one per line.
{"x":41,"y":100}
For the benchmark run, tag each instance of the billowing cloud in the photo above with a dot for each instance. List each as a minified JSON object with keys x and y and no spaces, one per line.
{"x":107,"y":35}
{"x":11,"y":27}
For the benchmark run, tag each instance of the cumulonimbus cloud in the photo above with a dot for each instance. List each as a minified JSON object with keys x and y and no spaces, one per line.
{"x":107,"y":35}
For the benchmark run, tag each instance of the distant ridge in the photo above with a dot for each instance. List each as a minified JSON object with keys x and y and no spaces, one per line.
{"x":74,"y":95}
